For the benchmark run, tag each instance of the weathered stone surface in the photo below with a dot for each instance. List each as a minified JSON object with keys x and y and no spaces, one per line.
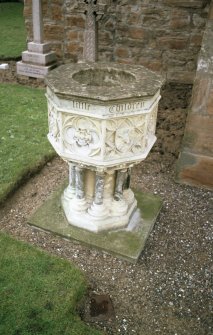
{"x":196,"y":39}
{"x":195,"y":164}
{"x":121,"y":52}
{"x":126,"y":243}
{"x":128,"y":29}
{"x":53,"y":32}
{"x":184,"y":3}
{"x":202,"y":96}
{"x":35,"y":71}
{"x":198,"y":21}
{"x":40,"y":48}
{"x":173,"y":42}
{"x":177,"y":76}
{"x":104,"y":81}
{"x":37,"y":58}
{"x":37,"y":21}
{"x":199,"y":134}
{"x":57,"y":12}
{"x":180,"y":19}
{"x":76,"y":21}
{"x":195,"y":170}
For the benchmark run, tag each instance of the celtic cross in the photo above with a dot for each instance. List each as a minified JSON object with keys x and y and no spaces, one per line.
{"x":94,"y":12}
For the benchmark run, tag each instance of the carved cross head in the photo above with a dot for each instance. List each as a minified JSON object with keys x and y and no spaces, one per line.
{"x":93,"y":8}
{"x":92,"y":4}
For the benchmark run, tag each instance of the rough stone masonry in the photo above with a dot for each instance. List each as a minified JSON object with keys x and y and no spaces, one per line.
{"x":163,"y":35}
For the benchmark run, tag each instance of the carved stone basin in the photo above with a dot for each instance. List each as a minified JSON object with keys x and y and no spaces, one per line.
{"x":103,"y":77}
{"x":102,"y":120}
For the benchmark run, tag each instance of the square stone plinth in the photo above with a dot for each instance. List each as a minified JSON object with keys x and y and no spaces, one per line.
{"x":38,"y":58}
{"x":31,"y":70}
{"x":125,"y":243}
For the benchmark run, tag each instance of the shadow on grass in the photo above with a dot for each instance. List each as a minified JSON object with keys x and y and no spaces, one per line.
{"x":39,"y":293}
{"x":12,"y":30}
{"x":24,"y":148}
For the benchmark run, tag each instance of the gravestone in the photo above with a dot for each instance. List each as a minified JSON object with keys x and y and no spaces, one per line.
{"x":38,"y":60}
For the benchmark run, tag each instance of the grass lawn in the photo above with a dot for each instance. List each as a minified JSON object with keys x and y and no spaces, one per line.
{"x":38,"y":292}
{"x":12,"y":30}
{"x":23,"y":143}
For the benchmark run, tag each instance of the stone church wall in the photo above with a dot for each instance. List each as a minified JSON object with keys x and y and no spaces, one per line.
{"x":163,"y":35}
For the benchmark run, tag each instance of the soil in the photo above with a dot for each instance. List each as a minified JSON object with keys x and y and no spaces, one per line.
{"x":169,"y":290}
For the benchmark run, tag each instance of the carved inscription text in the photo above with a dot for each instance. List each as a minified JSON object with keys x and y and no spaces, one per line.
{"x":81,"y":105}
{"x":126,"y":107}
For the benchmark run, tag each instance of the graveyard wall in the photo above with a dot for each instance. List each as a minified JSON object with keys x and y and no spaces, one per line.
{"x":163,"y":35}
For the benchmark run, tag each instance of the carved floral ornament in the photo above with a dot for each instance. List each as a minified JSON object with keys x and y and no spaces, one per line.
{"x":125,"y":136}
{"x":84,"y":135}
{"x":81,"y":135}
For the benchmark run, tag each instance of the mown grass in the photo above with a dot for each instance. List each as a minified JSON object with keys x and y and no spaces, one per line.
{"x":23,"y":143}
{"x":39,"y":293}
{"x":12,"y":30}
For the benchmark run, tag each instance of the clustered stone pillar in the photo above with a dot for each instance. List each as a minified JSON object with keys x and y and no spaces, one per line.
{"x":101,"y":206}
{"x":70,"y":190}
{"x":38,"y":60}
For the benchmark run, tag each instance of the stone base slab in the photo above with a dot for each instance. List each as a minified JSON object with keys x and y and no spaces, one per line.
{"x":41,"y":48}
{"x":38,"y":59}
{"x":30,"y":70}
{"x":125,"y":243}
{"x":95,"y":223}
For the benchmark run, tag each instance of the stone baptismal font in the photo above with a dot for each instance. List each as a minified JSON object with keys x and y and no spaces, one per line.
{"x":102,"y":120}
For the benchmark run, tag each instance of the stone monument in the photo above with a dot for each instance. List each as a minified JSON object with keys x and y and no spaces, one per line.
{"x":38,"y":60}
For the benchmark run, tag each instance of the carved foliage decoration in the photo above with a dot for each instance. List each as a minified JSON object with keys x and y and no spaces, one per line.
{"x":125,"y":136}
{"x":53,"y":120}
{"x":81,"y":135}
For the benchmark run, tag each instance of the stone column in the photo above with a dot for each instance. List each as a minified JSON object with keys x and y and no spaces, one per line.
{"x":37,"y":22}
{"x":99,"y":188}
{"x":79,"y":182}
{"x":119,"y":185}
{"x":119,"y":205}
{"x":38,"y":60}
{"x":98,"y":208}
{"x":69,"y":192}
{"x":128,"y":193}
{"x":79,"y":203}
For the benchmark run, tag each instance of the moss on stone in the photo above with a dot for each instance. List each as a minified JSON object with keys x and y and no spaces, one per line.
{"x":123,"y":243}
